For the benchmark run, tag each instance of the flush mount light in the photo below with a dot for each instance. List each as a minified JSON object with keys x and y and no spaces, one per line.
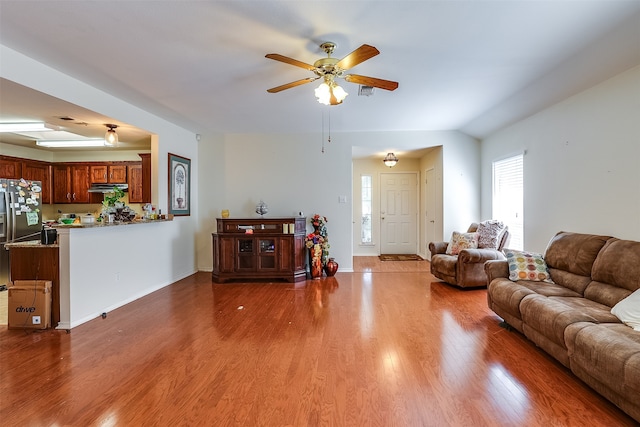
{"x":111,"y":137}
{"x":390,"y":160}
{"x":27,"y":127}
{"x":75,"y":143}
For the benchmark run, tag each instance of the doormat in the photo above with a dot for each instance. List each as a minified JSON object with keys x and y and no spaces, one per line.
{"x":400,"y":257}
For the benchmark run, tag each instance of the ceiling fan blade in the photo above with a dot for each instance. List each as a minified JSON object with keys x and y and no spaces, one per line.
{"x":359,"y":55}
{"x":291,"y":61}
{"x":371,"y":81}
{"x":292,"y":84}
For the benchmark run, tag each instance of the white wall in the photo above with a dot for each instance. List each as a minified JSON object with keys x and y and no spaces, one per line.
{"x":213,"y":186}
{"x":582,"y":163}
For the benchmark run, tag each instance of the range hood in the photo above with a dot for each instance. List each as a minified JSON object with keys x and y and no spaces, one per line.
{"x":107,"y":188}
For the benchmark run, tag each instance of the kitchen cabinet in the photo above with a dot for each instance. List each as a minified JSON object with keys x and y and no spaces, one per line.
{"x":34,"y":170}
{"x":10,"y":167}
{"x":146,"y":177}
{"x":108,"y":174}
{"x":134,"y":178}
{"x":70,"y":183}
{"x":259,"y":249}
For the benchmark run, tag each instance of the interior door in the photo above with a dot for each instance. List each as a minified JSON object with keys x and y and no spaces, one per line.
{"x":398,"y":213}
{"x":430,"y":207}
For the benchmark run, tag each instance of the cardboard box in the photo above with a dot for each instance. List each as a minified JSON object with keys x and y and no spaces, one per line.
{"x":29,"y":304}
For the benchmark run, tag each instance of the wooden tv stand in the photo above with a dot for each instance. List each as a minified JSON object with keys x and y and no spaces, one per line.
{"x":259,"y":248}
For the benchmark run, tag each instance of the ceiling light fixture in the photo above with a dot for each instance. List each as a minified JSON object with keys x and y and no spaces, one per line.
{"x":111,"y":137}
{"x":27,"y":127}
{"x":329,"y":93}
{"x":390,"y":160}
{"x":75,"y":143}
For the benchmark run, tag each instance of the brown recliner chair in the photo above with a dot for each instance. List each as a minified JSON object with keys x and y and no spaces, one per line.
{"x":466,"y":269}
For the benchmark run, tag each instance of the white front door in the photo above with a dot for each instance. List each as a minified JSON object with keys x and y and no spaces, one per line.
{"x":398,"y":213}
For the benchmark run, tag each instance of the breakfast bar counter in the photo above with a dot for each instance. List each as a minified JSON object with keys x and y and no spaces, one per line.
{"x":105,"y":266}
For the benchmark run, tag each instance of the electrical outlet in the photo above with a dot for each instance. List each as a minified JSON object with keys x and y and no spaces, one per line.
{"x":35,"y":320}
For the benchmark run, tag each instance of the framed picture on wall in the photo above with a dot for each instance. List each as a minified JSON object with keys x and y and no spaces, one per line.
{"x":179,"y":185}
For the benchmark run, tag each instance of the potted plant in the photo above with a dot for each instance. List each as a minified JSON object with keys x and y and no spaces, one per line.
{"x":112,"y":201}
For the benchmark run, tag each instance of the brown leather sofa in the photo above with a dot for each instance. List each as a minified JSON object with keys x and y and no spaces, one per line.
{"x":571,"y":318}
{"x":466,"y":269}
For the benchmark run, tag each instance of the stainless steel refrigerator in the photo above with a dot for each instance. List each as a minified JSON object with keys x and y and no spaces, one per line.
{"x":20,"y":216}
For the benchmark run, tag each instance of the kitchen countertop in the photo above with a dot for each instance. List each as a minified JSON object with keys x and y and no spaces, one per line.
{"x":29,"y":244}
{"x":111,"y":224}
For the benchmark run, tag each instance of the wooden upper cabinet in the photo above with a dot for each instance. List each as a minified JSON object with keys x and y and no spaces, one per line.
{"x":135,"y":183}
{"x":70,"y":183}
{"x":10,"y":167}
{"x":61,"y":184}
{"x":99,"y":174}
{"x":118,"y":174}
{"x":39,"y":171}
{"x":108,"y":174}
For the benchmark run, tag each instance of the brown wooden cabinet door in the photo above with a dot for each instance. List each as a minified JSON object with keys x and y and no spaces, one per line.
{"x":80,"y":184}
{"x":118,"y":174}
{"x":135,"y":183}
{"x":300,"y":252}
{"x":61,"y":184}
{"x":285,"y":254}
{"x":10,"y":168}
{"x":98,"y":174}
{"x":227,"y":258}
{"x":39,"y":171}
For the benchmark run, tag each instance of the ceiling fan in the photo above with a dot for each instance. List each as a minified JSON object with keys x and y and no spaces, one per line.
{"x":329,"y":69}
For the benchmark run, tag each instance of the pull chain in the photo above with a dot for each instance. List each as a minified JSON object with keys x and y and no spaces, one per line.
{"x":322,"y":131}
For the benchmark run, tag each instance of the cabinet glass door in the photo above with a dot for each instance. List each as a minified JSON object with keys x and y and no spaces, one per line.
{"x":266,"y":255}
{"x":246,"y":256}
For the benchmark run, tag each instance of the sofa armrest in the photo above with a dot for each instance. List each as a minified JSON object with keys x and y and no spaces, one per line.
{"x":496,"y":269}
{"x":479,"y":256}
{"x":438,"y":247}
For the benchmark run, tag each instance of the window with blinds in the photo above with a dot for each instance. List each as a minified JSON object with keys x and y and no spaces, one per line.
{"x":508,"y":199}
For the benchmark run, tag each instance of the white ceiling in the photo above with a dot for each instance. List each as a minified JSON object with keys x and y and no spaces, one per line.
{"x":475,"y":66}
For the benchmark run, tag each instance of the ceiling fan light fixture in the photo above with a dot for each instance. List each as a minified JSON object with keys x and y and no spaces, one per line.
{"x":390,"y":160}
{"x":111,"y":137}
{"x":329,"y":93}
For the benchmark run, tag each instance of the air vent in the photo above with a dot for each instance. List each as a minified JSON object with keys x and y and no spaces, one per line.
{"x":67,"y":118}
{"x":365,"y":90}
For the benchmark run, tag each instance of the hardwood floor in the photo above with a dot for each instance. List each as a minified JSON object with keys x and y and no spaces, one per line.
{"x":387,"y":345}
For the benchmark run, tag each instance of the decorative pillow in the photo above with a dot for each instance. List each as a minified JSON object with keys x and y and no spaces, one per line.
{"x":628,"y":310}
{"x":460,"y":241}
{"x":489,"y":234}
{"x":527,"y":266}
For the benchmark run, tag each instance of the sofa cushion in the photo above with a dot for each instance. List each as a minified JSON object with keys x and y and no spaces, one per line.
{"x":616,"y":272}
{"x":460,"y":241}
{"x":570,"y":257}
{"x":628,"y":310}
{"x":608,"y":352}
{"x":527,"y":266}
{"x":551,"y":315}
